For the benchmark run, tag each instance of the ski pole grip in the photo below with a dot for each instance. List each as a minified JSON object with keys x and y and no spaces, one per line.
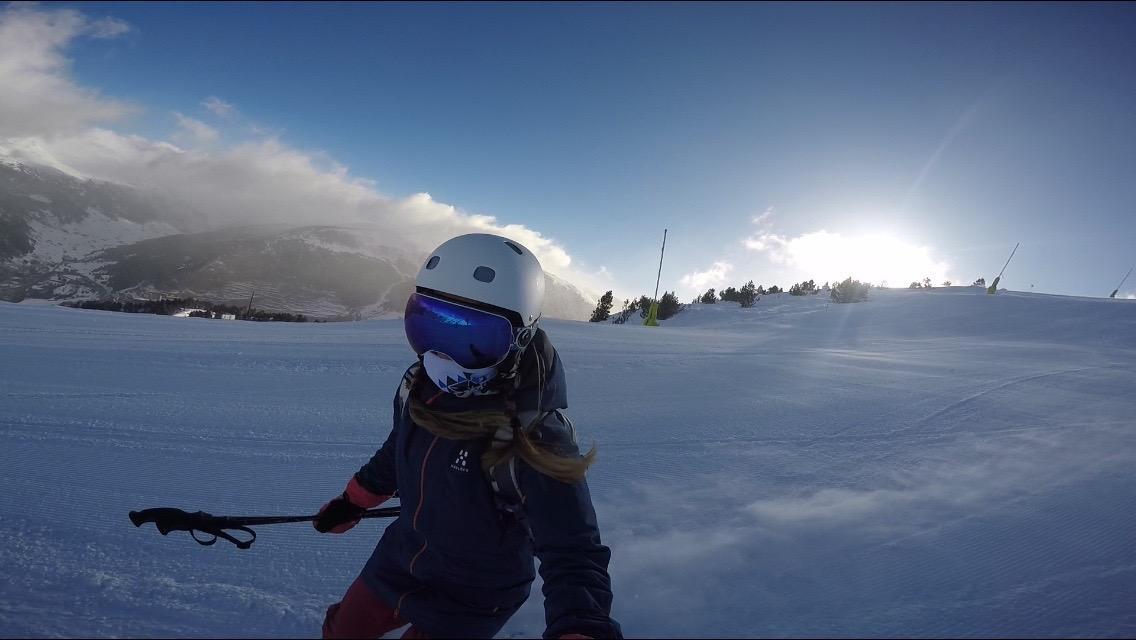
{"x":166,"y":519}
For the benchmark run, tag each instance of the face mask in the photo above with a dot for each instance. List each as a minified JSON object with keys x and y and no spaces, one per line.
{"x":455,"y":379}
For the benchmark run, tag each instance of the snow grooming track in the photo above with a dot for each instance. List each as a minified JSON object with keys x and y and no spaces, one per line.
{"x":999,"y":387}
{"x":925,"y":464}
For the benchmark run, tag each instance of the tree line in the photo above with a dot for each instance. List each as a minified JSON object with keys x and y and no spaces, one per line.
{"x":848,"y":290}
{"x":749,"y":293}
{"x":668,"y":307}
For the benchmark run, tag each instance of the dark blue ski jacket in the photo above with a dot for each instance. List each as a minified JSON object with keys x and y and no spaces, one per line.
{"x":452,"y":564}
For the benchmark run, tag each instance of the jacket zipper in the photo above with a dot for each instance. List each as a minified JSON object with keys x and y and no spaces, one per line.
{"x":417,"y":512}
{"x":422,"y":483}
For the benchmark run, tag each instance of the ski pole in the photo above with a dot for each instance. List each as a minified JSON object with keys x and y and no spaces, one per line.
{"x":168,"y":519}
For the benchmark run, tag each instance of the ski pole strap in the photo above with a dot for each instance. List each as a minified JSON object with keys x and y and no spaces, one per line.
{"x":168,"y":519}
{"x":220,"y":533}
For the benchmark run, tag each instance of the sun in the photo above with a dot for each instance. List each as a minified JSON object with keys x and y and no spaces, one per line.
{"x":877,"y":258}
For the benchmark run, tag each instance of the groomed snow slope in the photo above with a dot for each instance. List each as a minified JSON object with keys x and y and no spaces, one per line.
{"x":927,"y":463}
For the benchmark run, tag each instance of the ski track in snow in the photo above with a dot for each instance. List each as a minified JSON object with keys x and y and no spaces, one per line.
{"x":925,"y":464}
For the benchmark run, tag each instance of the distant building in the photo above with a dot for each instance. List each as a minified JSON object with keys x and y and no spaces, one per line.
{"x":228,"y":316}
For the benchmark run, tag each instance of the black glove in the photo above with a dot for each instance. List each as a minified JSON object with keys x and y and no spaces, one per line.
{"x":338,"y":516}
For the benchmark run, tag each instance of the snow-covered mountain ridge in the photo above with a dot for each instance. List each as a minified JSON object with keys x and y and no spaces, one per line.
{"x":67,"y":238}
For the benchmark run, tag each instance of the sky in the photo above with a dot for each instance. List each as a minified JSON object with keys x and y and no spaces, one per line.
{"x":774,"y":142}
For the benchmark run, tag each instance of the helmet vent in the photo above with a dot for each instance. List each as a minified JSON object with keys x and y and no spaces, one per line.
{"x":514,"y":248}
{"x":484,"y":274}
{"x":433,"y":262}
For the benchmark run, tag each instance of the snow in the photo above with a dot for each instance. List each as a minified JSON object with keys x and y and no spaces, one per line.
{"x":362,"y":240}
{"x":57,"y":242}
{"x":926,"y":463}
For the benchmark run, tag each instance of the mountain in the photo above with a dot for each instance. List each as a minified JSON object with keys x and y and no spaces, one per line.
{"x":66,"y":238}
{"x":566,"y":301}
{"x":320,"y":271}
{"x":49,"y":219}
{"x":323,"y":272}
{"x":48,"y":215}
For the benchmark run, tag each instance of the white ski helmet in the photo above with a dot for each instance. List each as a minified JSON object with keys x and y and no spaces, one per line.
{"x":487,"y":269}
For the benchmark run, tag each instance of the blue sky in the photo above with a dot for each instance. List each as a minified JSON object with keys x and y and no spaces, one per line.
{"x":938,"y":135}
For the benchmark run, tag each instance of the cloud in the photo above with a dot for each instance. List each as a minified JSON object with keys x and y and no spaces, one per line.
{"x":715,"y":277}
{"x":872,"y":258}
{"x":765,"y":219}
{"x":196,"y":129}
{"x":267,"y":181}
{"x":38,"y":96}
{"x":107,"y":28}
{"x":219,"y":107}
{"x":46,"y":118}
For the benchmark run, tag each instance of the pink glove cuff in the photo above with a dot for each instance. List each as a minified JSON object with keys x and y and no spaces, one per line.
{"x":359,"y":495}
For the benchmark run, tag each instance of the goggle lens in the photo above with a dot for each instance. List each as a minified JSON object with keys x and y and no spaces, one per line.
{"x":471,"y":337}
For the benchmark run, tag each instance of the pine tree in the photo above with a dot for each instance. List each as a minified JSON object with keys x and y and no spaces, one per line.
{"x":644,"y":306}
{"x":748,"y":295}
{"x":850,"y":291}
{"x":603,"y":308}
{"x":668,"y":305}
{"x":803,"y":288}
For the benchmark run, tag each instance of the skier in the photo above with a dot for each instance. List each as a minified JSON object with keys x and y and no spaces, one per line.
{"x":485,"y":464}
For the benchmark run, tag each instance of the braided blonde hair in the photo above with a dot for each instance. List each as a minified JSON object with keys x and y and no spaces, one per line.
{"x":506,"y":435}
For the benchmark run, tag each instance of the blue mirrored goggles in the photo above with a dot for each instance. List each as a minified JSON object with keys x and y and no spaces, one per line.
{"x":474,"y":338}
